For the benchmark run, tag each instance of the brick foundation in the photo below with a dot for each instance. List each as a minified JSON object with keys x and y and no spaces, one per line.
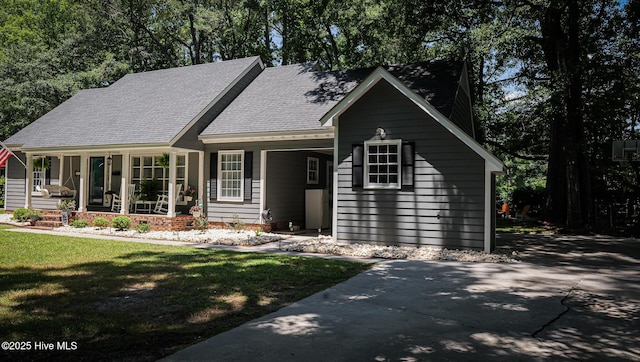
{"x":157,"y":222}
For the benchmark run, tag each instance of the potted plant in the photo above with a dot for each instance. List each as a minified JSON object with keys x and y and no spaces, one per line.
{"x":189,"y":193}
{"x":163,"y":160}
{"x":34,"y":217}
{"x":149,"y":189}
{"x":41,"y":163}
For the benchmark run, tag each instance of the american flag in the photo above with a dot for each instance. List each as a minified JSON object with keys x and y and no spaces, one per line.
{"x":4,"y":155}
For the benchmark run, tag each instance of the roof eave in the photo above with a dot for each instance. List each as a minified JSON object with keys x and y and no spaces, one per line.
{"x":319,"y":133}
{"x":95,"y":148}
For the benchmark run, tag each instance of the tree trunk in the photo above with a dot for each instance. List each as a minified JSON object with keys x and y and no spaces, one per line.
{"x":568,"y":176}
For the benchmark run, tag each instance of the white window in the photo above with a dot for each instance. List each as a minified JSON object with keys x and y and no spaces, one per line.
{"x":146,"y":168}
{"x":231,"y":175}
{"x":382,"y":164}
{"x":313,"y":166}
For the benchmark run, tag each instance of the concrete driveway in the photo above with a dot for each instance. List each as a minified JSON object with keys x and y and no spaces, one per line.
{"x":571,"y":298}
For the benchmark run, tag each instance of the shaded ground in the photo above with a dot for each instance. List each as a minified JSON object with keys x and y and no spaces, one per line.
{"x":601,"y":316}
{"x":571,"y":298}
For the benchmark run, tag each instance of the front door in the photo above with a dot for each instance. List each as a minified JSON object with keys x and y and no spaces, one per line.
{"x":96,"y":181}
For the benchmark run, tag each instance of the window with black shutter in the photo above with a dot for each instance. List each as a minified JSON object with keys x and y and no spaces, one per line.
{"x":383,"y":164}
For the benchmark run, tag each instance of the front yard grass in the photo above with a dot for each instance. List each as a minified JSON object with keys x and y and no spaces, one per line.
{"x":133,"y":301}
{"x":527,"y":226}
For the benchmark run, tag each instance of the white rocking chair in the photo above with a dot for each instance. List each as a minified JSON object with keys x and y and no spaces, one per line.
{"x":116,"y":203}
{"x":162,"y":204}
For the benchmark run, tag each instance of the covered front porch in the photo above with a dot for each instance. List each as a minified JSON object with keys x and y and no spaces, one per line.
{"x":160,"y":182}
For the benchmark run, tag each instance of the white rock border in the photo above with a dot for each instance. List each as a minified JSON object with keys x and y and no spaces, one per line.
{"x":319,"y":245}
{"x":209,"y":236}
{"x":327,"y":245}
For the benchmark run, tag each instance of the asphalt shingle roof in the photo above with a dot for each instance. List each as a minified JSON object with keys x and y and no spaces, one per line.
{"x":143,"y":108}
{"x":154,"y":107}
{"x":285,"y":98}
{"x":293,"y":97}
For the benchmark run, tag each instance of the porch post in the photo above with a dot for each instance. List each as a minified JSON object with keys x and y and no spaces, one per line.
{"x":124,"y":183}
{"x":263,"y":183}
{"x":171,"y":208}
{"x":61,"y":174}
{"x":82,"y":200}
{"x":29,"y":183}
{"x":201,"y":178}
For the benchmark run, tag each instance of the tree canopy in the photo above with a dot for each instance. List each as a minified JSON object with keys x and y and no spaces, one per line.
{"x":554,"y":81}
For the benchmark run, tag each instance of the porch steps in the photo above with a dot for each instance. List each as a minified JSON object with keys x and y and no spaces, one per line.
{"x":50,"y":219}
{"x":48,"y":224}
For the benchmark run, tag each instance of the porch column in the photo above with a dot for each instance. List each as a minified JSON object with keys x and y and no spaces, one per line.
{"x":263,"y":183}
{"x":82,"y":199}
{"x":171,"y":208}
{"x":61,"y":174}
{"x":29,"y":183}
{"x":200,"y":200}
{"x":124,"y":184}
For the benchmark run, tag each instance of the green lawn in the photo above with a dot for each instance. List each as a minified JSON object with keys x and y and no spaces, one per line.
{"x":120,"y":300}
{"x":527,"y":226}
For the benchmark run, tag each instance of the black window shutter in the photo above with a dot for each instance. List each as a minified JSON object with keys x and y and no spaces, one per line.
{"x":213,"y":176}
{"x":357,"y":165}
{"x":408,"y":163}
{"x":248,"y":174}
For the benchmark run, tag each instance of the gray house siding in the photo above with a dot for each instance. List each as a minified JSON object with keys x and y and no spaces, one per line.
{"x":16,"y":185}
{"x":193,"y":165}
{"x":446,"y":205}
{"x":247,"y":210}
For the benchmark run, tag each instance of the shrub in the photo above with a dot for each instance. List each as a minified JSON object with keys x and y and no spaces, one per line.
{"x":100,"y":222}
{"x":143,"y":227}
{"x":236,"y":223}
{"x":21,"y":214}
{"x":79,"y":224}
{"x":202,"y":223}
{"x":121,"y":223}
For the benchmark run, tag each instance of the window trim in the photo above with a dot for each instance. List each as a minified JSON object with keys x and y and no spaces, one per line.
{"x":380,"y":186}
{"x":162,"y":180}
{"x":240,"y":198}
{"x":311,"y":181}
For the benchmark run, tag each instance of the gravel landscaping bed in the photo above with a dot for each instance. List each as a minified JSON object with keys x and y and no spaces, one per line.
{"x":319,"y":245}
{"x":6,"y":219}
{"x":210,"y":236}
{"x":327,"y":245}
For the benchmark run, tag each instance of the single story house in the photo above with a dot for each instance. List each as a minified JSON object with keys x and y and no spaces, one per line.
{"x":380,"y":155}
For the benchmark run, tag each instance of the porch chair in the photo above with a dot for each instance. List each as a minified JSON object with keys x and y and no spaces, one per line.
{"x":116,"y":203}
{"x":162,"y":204}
